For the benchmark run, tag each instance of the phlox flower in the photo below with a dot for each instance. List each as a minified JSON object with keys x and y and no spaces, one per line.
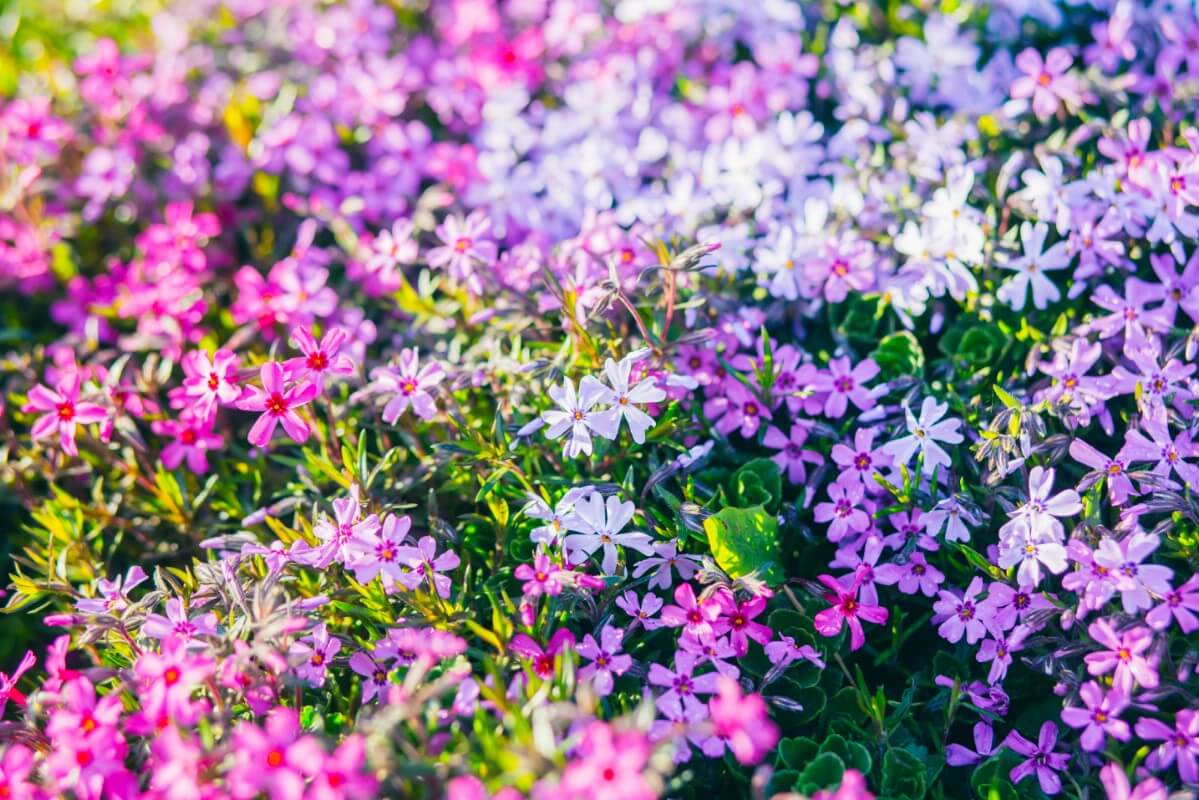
{"x":607,"y":764}
{"x":697,"y":617}
{"x":425,"y":564}
{"x":576,"y":414}
{"x":542,"y":577}
{"x":666,"y":558}
{"x":607,"y":662}
{"x":62,"y":411}
{"x":1181,"y":605}
{"x":375,"y":550}
{"x":783,"y":651}
{"x":167,"y":680}
{"x":846,"y":385}
{"x":1046,"y":81}
{"x":1115,"y":783}
{"x":210,"y":380}
{"x":319,"y":360}
{"x":555,"y":518}
{"x":1040,"y":758}
{"x":924,"y":435}
{"x":375,"y":674}
{"x":714,"y":650}
{"x":1179,"y":743}
{"x":8,"y":683}
{"x":793,"y":457}
{"x":543,"y":660}
{"x":409,"y":384}
{"x":998,"y":650}
{"x":841,"y":510}
{"x":958,"y":616}
{"x":466,"y":243}
{"x":178,"y":624}
{"x":1032,"y":267}
{"x":598,"y":524}
{"x":641,"y":609}
{"x":1100,"y":717}
{"x":862,"y":459}
{"x":275,"y":760}
{"x":1124,"y":655}
{"x":113,"y":594}
{"x":957,"y":755}
{"x":277,"y":404}
{"x":624,"y":398}
{"x":1006,"y":606}
{"x":740,"y":616}
{"x":915,"y":575}
{"x":953,"y":517}
{"x":846,"y":610}
{"x":343,"y":774}
{"x":681,"y":684}
{"x":1136,"y":581}
{"x":312,"y":656}
{"x":193,"y":439}
{"x":1113,"y":470}
{"x":742,"y":722}
{"x":334,"y":533}
{"x":735,"y":408}
{"x":1159,"y":447}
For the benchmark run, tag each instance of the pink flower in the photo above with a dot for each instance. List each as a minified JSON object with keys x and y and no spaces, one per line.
{"x":374,"y":550}
{"x":960,"y":615}
{"x":1115,"y":783}
{"x":739,"y":617}
{"x":193,"y":438}
{"x":167,"y":682}
{"x":465,"y":245}
{"x":736,"y":408}
{"x":210,"y":382}
{"x":999,"y":649}
{"x":666,"y":556}
{"x":608,"y":765}
{"x":641,"y":609}
{"x":1046,"y":81}
{"x":319,"y":360}
{"x":540,"y":578}
{"x":792,"y":457}
{"x":696,"y":617}
{"x":842,"y":513}
{"x":742,"y":722}
{"x":544,"y":658}
{"x":1100,"y":717}
{"x":16,"y":765}
{"x":845,"y":385}
{"x":863,"y":459}
{"x":177,"y":624}
{"x":347,"y":523}
{"x":8,"y":683}
{"x":63,"y":411}
{"x":409,"y":384}
{"x":274,"y":760}
{"x":426,"y":565}
{"x":607,"y":662}
{"x":343,"y":775}
{"x":847,"y":610}
{"x":277,"y":404}
{"x":374,"y":672}
{"x":1125,"y":654}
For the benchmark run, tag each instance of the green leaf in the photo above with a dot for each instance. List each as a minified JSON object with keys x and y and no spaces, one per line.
{"x":903,"y":775}
{"x":797,"y":751}
{"x":1006,"y":398}
{"x":745,"y":540}
{"x":854,"y":755}
{"x":899,"y":355}
{"x":822,"y":772}
{"x":757,"y":483}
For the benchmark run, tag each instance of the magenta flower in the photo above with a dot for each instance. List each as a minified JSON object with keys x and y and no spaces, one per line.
{"x":113,"y":597}
{"x":16,"y":766}
{"x":607,"y":765}
{"x":641,"y":609}
{"x":739,"y":617}
{"x":8,"y":683}
{"x":62,"y":411}
{"x":742,"y":722}
{"x":313,"y":655}
{"x":1125,"y":654}
{"x":1046,"y":81}
{"x":1040,"y":758}
{"x":1100,"y":718}
{"x":544,"y":659}
{"x":277,"y":404}
{"x":336,"y":532}
{"x":320,"y":360}
{"x":375,"y":550}
{"x":1180,"y":743}
{"x":847,"y":610}
{"x":861,"y":460}
{"x":275,"y":760}
{"x":168,"y":680}
{"x":343,"y":774}
{"x":735,"y":408}
{"x":845,"y":385}
{"x":374,"y":672}
{"x":696,"y":617}
{"x":607,"y":662}
{"x":193,"y":439}
{"x":540,"y":578}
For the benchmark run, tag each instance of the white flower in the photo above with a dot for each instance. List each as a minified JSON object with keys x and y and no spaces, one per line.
{"x":1031,"y":269}
{"x":598,"y":524}
{"x":951,"y":515}
{"x":555,"y":518}
{"x":624,"y":399}
{"x":575,"y":414}
{"x":924,"y":433}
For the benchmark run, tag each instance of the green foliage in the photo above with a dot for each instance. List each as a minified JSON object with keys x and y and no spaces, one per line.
{"x":757,"y":483}
{"x":744,"y":541}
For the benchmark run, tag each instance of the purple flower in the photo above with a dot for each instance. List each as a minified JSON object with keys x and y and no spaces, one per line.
{"x":1178,"y":604}
{"x":1046,"y":81}
{"x":1137,"y":583}
{"x":313,"y":655}
{"x":177,"y":624}
{"x":863,"y":459}
{"x":409,"y":385}
{"x":793,"y":457}
{"x":845,"y":385}
{"x":1113,"y":470}
{"x":466,"y":244}
{"x":957,"y":755}
{"x":961,"y":615}
{"x":915,"y":575}
{"x":1115,"y":783}
{"x":681,"y":684}
{"x":607,"y":662}
{"x":1040,"y":758}
{"x":1100,"y":718}
{"x":841,"y":511}
{"x":1179,"y":743}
